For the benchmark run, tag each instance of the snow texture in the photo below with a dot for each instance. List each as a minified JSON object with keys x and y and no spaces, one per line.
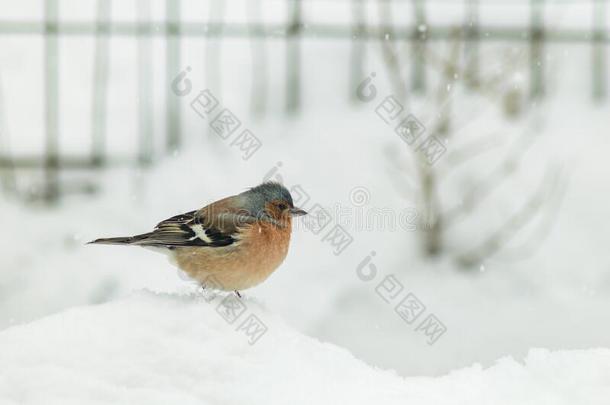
{"x":166,"y":348}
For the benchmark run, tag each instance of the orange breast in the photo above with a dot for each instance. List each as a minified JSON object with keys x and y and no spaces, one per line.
{"x":260,"y":250}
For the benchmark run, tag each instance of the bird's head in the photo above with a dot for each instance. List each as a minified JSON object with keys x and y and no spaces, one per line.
{"x":271,"y":200}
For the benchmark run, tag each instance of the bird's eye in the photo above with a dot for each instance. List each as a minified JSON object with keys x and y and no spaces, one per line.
{"x":282,"y":206}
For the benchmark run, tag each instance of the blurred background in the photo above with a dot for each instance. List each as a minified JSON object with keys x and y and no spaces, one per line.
{"x":453,"y":155}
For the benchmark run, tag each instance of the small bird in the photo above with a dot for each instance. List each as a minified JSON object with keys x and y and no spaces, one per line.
{"x":232,"y":244}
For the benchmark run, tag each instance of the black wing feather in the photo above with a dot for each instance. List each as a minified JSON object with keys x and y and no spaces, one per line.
{"x":184,"y":230}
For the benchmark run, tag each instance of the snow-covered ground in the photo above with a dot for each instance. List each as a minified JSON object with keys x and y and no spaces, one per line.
{"x":172,"y":345}
{"x":152,"y":348}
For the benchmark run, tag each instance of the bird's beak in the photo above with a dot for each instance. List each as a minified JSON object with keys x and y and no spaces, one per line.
{"x":297,"y":212}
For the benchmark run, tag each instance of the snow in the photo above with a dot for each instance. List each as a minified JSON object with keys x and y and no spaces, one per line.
{"x":151,"y":348}
{"x":555,"y":299}
{"x":121,"y":345}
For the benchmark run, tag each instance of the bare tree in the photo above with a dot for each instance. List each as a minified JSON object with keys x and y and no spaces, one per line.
{"x":436,"y":221}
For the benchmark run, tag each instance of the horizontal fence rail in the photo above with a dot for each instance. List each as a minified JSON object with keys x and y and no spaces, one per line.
{"x":536,"y":34}
{"x":311,"y":31}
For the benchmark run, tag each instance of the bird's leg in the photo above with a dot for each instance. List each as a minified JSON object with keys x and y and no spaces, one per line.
{"x":237,"y":293}
{"x":202,"y":287}
{"x":208,"y":294}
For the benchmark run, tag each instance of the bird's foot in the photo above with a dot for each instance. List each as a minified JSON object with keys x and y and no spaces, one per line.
{"x":237,"y":293}
{"x":206,"y":293}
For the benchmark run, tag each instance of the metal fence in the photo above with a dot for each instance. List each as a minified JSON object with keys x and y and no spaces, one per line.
{"x":292,"y":31}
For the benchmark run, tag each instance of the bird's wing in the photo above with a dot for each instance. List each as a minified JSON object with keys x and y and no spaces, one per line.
{"x":197,"y":228}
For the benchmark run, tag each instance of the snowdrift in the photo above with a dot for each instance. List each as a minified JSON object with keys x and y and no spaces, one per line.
{"x":194,"y":349}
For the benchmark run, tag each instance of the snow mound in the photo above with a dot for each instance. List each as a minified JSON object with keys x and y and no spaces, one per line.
{"x":192,"y":349}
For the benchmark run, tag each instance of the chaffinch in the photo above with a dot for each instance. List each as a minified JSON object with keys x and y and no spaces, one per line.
{"x":232,"y":244}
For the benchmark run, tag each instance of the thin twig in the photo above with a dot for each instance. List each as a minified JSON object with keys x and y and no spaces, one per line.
{"x":482,"y":189}
{"x":389,"y":53}
{"x":509,"y":229}
{"x":530,"y":246}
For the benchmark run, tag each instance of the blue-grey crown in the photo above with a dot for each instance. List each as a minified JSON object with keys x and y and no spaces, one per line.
{"x":270,"y":191}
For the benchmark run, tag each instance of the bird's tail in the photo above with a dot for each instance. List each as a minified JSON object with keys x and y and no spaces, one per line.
{"x":122,"y":240}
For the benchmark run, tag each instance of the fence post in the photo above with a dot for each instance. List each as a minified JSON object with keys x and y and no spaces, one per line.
{"x":600,"y":72}
{"x":357,"y":52}
{"x":145,"y":127}
{"x":258,"y":96}
{"x":100,"y":83}
{"x":172,"y":67}
{"x":213,"y":74}
{"x":537,"y":64}
{"x":213,"y":53}
{"x":418,"y":72}
{"x":472,"y":43}
{"x":7,"y":168}
{"x":293,"y":59}
{"x":51,"y":75}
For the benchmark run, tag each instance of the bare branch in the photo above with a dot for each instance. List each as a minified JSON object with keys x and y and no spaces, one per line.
{"x":479,"y":146}
{"x":498,"y":239}
{"x":477,"y":194}
{"x":400,"y":176}
{"x":530,"y":246}
{"x":389,"y":53}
